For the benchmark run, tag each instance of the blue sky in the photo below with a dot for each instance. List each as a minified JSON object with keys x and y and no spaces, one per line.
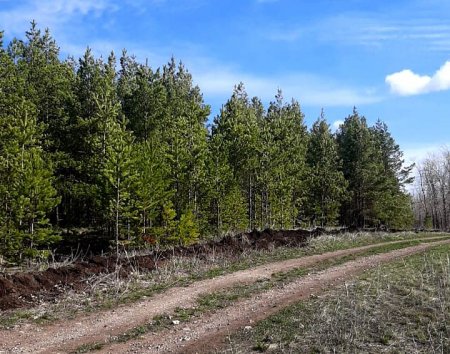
{"x":391,"y":59}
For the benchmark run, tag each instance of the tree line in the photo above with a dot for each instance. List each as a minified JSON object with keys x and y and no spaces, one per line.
{"x":432,"y":192}
{"x":125,"y":149}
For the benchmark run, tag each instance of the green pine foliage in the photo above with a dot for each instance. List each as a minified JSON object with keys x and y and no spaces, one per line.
{"x":373,"y":166}
{"x":166,"y":232}
{"x":326,"y":185}
{"x":185,"y":134}
{"x":237,"y":129}
{"x":187,"y":232}
{"x":286,"y":162}
{"x":392,"y":206}
{"x":225,"y":207}
{"x":27,"y":189}
{"x":151,"y":188}
{"x":361,"y":168}
{"x":119,"y":174}
{"x":131,"y":155}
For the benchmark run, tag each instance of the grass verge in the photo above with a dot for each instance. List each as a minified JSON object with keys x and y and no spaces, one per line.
{"x":399,"y":307}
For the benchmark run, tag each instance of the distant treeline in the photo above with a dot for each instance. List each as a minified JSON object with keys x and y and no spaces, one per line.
{"x":432,"y":192}
{"x":129,"y":153}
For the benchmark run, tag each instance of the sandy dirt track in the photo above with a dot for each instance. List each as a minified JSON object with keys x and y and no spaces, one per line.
{"x":210,"y":331}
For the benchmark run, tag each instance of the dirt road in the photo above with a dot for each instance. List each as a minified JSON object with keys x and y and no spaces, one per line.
{"x":211,"y":330}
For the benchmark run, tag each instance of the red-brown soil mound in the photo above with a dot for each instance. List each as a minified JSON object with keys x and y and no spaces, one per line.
{"x":22,"y":289}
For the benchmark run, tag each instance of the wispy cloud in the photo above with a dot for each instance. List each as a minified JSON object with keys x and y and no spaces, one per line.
{"x":311,"y":90}
{"x":217,"y":79}
{"x":286,"y":34}
{"x":49,"y":13}
{"x":368,"y":31}
{"x":428,"y":33}
{"x":408,"y":83}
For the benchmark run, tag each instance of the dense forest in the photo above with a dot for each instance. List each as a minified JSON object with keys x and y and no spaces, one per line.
{"x":129,"y":151}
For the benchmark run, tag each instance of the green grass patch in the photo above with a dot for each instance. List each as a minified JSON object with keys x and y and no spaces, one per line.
{"x":15,"y":317}
{"x":86,"y":348}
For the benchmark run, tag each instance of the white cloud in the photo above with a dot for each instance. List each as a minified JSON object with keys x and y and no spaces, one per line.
{"x":407,"y":83}
{"x":417,"y":154}
{"x":49,"y":13}
{"x":336,"y":125}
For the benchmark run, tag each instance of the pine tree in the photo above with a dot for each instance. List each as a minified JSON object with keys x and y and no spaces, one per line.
{"x":120,"y":174}
{"x":233,"y":212}
{"x":392,"y":205}
{"x":9,"y":98}
{"x":167,"y":232}
{"x":146,"y":105}
{"x":226,"y":205}
{"x":29,"y":194}
{"x":152,"y":187}
{"x":238,"y":128}
{"x":127,"y":77}
{"x":373,"y":167}
{"x":361,"y":168}
{"x":184,"y":131}
{"x":288,"y":138}
{"x":97,"y":102}
{"x":48,"y":83}
{"x":265,"y":176}
{"x":187,"y":231}
{"x":391,"y":156}
{"x":326,"y":184}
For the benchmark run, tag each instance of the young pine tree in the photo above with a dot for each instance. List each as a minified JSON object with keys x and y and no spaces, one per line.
{"x":152,"y":187}
{"x":30,"y":193}
{"x":183,"y":129}
{"x":238,"y":131}
{"x":119,"y":175}
{"x":326,"y":184}
{"x":288,"y":142}
{"x":392,"y":205}
{"x":361,"y":168}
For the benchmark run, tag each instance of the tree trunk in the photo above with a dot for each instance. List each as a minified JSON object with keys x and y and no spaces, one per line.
{"x":116,"y":230}
{"x":250,"y":224}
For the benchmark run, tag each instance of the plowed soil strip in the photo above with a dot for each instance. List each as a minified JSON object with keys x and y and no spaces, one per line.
{"x":209,"y":333}
{"x":66,"y":336}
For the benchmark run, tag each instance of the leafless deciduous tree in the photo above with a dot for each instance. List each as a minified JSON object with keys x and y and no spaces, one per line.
{"x":432,"y":192}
